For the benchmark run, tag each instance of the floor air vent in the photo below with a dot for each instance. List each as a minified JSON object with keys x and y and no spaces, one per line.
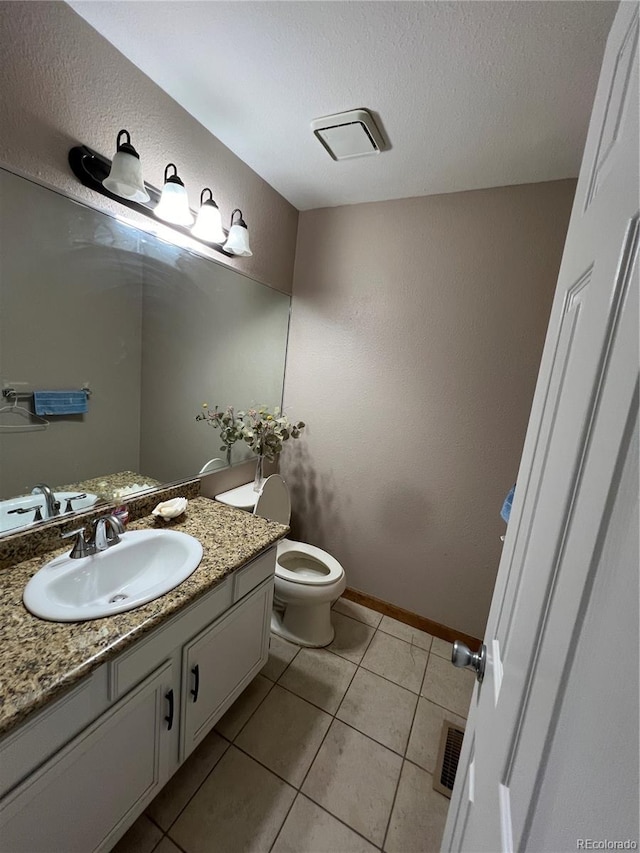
{"x":444,"y":774}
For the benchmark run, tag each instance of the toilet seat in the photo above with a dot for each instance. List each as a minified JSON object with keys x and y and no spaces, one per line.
{"x":307,"y":580}
{"x":301,"y":570}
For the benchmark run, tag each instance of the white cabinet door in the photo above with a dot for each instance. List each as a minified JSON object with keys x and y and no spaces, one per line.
{"x":221,"y":661}
{"x":91,"y":791}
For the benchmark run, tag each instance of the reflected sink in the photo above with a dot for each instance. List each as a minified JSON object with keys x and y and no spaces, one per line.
{"x":14,"y":521}
{"x":144,"y":565}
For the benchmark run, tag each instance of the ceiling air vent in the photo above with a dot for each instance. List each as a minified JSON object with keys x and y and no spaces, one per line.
{"x":351,"y":134}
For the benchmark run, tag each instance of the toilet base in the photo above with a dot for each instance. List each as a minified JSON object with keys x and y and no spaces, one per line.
{"x":305,"y":626}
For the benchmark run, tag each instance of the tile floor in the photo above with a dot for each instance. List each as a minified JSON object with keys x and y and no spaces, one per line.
{"x":327,"y":751}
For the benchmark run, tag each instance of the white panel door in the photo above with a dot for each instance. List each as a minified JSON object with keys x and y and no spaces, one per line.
{"x":565,"y":510}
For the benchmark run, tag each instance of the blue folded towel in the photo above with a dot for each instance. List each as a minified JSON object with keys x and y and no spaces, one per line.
{"x":505,"y":512}
{"x":60,"y":402}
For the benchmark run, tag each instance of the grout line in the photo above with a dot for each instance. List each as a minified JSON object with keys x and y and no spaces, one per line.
{"x":158,"y":842}
{"x":262,"y":764}
{"x":215,"y":764}
{"x":413,"y":720}
{"x":402,"y":640}
{"x":349,"y":616}
{"x":154,"y":822}
{"x":402,"y":686}
{"x":286,"y":817}
{"x":304,"y":699}
{"x":420,"y":767}
{"x":393,"y":804}
{"x":272,"y":684}
{"x":173,"y":841}
{"x":335,"y":817}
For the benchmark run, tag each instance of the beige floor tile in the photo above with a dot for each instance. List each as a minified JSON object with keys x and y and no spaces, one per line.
{"x":355,"y":779}
{"x":406,"y":633}
{"x":240,"y":807}
{"x":396,"y":660}
{"x":142,"y":837}
{"x":425,"y":733}
{"x":441,"y":648}
{"x":230,"y":724}
{"x":448,"y":686}
{"x":167,"y":846}
{"x":175,"y":795}
{"x":320,"y":677}
{"x":310,"y":829}
{"x":352,"y":637}
{"x":281,"y":653}
{"x":419,"y":814}
{"x":358,"y":611}
{"x":379,"y":709}
{"x":284,"y":734}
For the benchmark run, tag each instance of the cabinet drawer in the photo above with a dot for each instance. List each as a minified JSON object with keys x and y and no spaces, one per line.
{"x":250,"y":576}
{"x":22,"y":751}
{"x":129,"y":668}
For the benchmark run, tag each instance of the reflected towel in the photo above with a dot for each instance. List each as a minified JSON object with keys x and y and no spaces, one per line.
{"x":505,"y":512}
{"x":60,"y":402}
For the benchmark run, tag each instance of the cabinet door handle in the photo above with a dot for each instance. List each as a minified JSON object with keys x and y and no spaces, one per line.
{"x":169,"y":718}
{"x":196,"y":683}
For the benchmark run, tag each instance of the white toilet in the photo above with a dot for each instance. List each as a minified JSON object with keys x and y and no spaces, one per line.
{"x":308,"y":580}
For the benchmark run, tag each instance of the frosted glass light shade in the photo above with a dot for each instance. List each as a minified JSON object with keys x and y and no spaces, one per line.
{"x":125,"y":177}
{"x":238,"y":239}
{"x":208,"y":225}
{"x":173,"y":206}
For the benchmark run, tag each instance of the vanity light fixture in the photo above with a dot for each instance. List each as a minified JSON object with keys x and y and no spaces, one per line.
{"x":174,"y":201}
{"x":97,"y":172}
{"x":125,"y":176}
{"x":208,"y":225}
{"x":238,"y":239}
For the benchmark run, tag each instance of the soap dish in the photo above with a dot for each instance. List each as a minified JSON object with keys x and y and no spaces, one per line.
{"x":170,"y":509}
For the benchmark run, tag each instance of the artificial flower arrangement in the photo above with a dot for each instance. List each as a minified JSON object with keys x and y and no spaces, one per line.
{"x":265,"y":432}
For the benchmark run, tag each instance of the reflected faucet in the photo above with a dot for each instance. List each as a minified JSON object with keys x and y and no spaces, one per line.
{"x":53,"y":506}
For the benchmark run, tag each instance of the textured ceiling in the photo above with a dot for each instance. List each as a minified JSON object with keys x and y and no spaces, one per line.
{"x":469,"y":94}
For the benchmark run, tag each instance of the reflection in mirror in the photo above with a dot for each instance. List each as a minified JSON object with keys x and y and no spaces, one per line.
{"x":152,"y":329}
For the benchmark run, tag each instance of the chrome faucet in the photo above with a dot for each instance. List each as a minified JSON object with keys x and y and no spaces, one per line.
{"x":105,"y":532}
{"x":53,"y":506}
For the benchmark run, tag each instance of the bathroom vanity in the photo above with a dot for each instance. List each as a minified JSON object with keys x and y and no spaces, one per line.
{"x":99,"y":715}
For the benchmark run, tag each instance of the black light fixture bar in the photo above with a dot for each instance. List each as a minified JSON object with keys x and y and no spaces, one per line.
{"x":91,"y":168}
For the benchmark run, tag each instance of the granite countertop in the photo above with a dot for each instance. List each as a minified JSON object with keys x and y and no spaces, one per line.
{"x":106,"y":486}
{"x":41,"y":660}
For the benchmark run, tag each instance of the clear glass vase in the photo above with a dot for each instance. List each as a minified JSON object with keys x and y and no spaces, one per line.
{"x":259,"y":478}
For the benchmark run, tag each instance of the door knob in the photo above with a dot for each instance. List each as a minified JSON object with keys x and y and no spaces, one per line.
{"x":463,"y":657}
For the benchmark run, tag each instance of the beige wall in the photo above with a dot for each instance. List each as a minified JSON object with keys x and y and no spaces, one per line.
{"x":62,"y":84}
{"x":417,"y":329}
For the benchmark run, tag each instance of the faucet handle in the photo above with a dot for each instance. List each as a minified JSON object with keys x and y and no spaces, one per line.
{"x":69,"y":506}
{"x":21,"y":511}
{"x":81,"y":548}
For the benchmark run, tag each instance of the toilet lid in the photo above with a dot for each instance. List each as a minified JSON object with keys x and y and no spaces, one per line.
{"x":273,"y":502}
{"x":300,"y":562}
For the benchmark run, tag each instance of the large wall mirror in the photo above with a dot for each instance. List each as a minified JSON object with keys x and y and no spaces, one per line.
{"x":151,"y":328}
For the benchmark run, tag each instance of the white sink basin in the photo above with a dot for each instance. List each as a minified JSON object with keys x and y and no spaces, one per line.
{"x":144,"y":565}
